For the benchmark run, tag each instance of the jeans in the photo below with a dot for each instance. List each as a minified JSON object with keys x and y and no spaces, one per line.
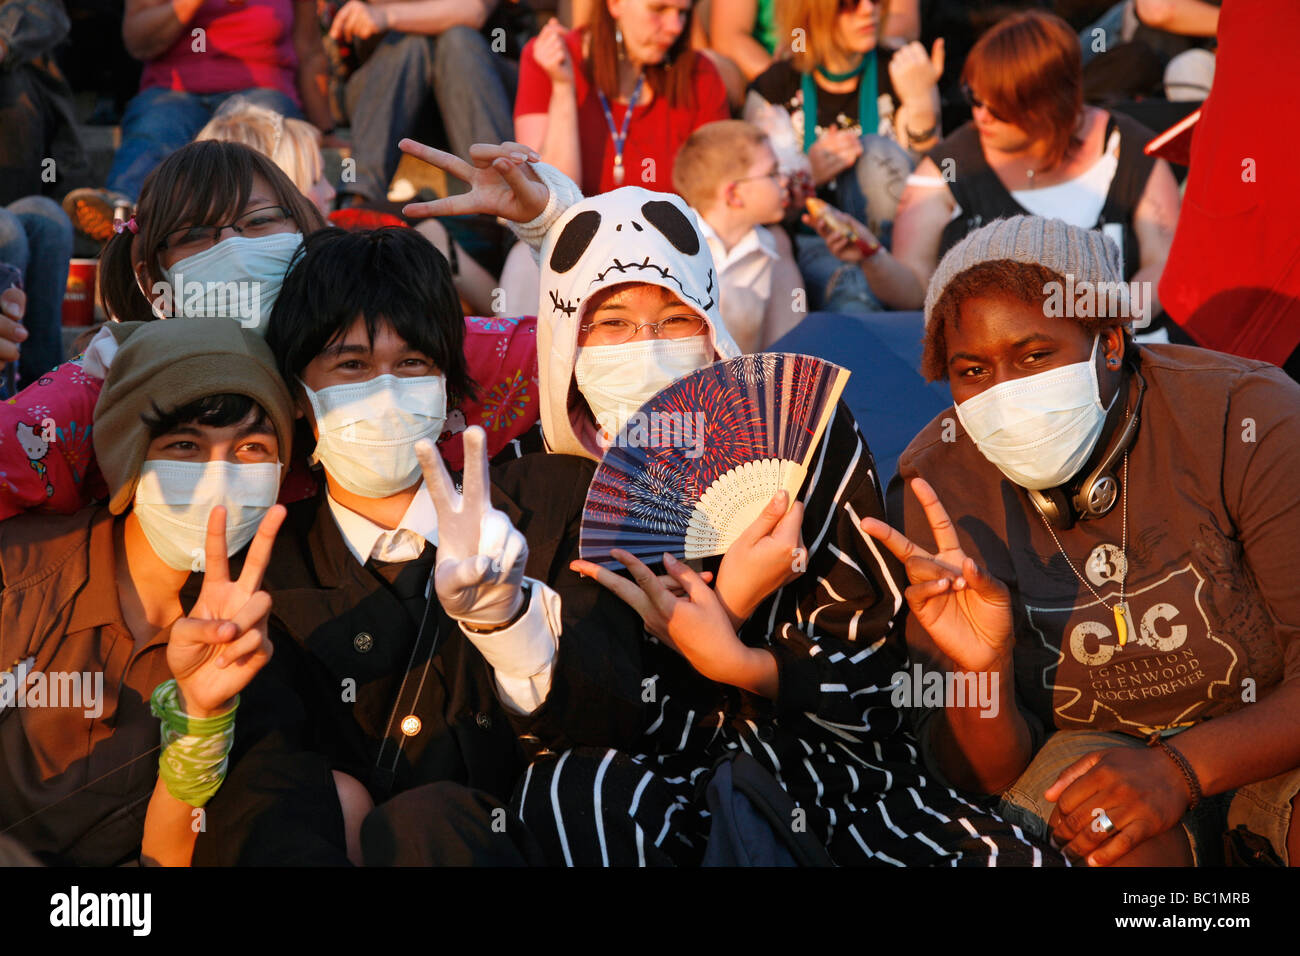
{"x":473,"y":87}
{"x":1104,"y":34}
{"x":36,"y":237}
{"x":158,"y":122}
{"x":869,"y":192}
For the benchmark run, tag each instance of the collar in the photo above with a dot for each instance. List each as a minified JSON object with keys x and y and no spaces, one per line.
{"x":758,"y":240}
{"x":361,"y":535}
{"x":98,"y":605}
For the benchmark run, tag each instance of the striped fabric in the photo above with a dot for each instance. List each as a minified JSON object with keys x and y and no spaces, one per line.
{"x":833,"y":740}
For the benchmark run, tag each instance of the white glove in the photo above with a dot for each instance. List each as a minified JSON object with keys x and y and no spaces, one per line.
{"x":481,"y":556}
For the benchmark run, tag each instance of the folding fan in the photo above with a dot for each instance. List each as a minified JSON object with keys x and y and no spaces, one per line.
{"x":698,"y":462}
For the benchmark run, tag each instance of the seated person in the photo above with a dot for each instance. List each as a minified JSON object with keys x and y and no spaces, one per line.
{"x":192,"y":416}
{"x":729,"y":175}
{"x":408,"y":681}
{"x":792,"y":658}
{"x":1116,"y":544}
{"x":36,"y":240}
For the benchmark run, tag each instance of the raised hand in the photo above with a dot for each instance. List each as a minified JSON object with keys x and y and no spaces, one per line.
{"x":834,"y":151}
{"x":964,"y":609}
{"x":500,"y":178}
{"x":551,"y":54}
{"x":694,"y":623}
{"x":768,"y":555}
{"x":481,"y":556}
{"x":215,"y":651}
{"x":358,"y":21}
{"x":13,"y":303}
{"x":632,"y":595}
{"x":915,"y":73}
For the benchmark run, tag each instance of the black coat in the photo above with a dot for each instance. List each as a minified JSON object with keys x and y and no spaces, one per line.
{"x":348,"y":668}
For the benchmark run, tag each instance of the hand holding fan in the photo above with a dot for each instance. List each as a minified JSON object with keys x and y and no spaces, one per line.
{"x":697,"y":464}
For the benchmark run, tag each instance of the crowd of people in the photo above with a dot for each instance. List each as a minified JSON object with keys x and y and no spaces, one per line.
{"x":291,"y":558}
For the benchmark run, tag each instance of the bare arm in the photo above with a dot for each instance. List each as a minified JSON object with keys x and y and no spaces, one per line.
{"x":311,"y":65}
{"x":900,"y":278}
{"x":904,"y":22}
{"x":553,"y":134}
{"x":1154,"y":223}
{"x":1192,"y":18}
{"x":731,"y":29}
{"x":432,"y":17}
{"x":150,"y":27}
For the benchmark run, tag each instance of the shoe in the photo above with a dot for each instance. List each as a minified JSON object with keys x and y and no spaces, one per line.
{"x":92,"y":211}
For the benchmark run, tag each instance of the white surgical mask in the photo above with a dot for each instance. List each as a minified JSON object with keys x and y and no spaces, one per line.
{"x":368,"y":430}
{"x":616,"y":380}
{"x":238,"y":278}
{"x":174,"y":499}
{"x":1039,"y":430}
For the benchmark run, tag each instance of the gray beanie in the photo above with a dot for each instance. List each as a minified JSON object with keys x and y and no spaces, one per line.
{"x":1067,"y":250}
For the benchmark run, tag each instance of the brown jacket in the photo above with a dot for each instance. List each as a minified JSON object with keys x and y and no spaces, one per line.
{"x":73,"y":788}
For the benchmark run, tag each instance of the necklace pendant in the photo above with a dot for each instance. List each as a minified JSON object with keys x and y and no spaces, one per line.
{"x":618,"y":173}
{"x":1123,"y":622}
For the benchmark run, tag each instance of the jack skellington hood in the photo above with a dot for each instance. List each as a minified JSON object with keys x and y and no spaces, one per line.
{"x":627,"y":235}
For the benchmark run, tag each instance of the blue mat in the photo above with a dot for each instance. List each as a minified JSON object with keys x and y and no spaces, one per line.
{"x":886,"y":392}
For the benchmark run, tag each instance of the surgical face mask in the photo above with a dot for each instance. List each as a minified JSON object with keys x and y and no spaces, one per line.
{"x":367,"y":431}
{"x":616,"y":380}
{"x":174,"y":499}
{"x":1041,"y":429}
{"x":238,"y":278}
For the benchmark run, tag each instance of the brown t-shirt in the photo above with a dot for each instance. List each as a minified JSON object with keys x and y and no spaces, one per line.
{"x":1213,"y":550}
{"x":78,"y":762}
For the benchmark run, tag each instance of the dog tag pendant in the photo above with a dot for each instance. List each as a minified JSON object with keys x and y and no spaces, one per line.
{"x":618,"y":171}
{"x":1123,"y":622}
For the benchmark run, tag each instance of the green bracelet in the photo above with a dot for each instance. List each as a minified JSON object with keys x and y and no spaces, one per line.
{"x":195,"y":750}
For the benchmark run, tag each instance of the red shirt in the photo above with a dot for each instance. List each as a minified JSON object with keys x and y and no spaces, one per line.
{"x":655,"y":133}
{"x":245,"y":44}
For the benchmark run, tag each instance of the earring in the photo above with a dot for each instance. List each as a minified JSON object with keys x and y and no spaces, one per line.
{"x":618,"y":40}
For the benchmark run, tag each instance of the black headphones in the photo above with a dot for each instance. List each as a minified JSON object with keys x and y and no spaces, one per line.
{"x":1096,"y":493}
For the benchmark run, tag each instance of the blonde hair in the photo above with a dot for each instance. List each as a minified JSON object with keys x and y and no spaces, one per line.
{"x":817,"y":21}
{"x":292,"y":144}
{"x":711,"y":155}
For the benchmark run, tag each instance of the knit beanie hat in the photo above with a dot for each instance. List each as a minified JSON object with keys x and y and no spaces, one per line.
{"x":1070,"y":251}
{"x":169,"y":364}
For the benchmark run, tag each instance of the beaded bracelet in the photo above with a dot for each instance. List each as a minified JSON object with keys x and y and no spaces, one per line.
{"x":1193,"y":785}
{"x":195,"y":750}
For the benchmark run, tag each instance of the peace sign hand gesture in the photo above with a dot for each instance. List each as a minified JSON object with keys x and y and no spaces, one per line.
{"x":502,"y":182}
{"x":215,"y":651}
{"x":481,"y":556}
{"x":963,"y":608}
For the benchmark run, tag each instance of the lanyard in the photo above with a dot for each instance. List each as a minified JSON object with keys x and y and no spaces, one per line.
{"x":620,"y":139}
{"x":868,"y":112}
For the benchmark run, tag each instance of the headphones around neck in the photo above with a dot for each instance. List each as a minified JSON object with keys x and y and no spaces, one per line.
{"x":1097,"y":493}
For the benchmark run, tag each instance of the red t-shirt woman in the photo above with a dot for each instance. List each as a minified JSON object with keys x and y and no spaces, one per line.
{"x":563,"y":74}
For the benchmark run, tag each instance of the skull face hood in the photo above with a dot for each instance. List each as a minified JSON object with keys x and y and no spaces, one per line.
{"x":629,"y":235}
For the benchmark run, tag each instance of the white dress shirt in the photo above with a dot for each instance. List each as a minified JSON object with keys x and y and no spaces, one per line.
{"x":744,"y":282}
{"x":522,"y":655}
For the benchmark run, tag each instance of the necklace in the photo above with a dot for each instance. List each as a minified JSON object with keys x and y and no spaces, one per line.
{"x":620,"y":138}
{"x":1123,"y":619}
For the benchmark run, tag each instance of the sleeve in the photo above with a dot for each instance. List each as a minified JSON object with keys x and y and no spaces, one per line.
{"x":47,"y":461}
{"x":1261,"y":436}
{"x":564,"y":192}
{"x":30,"y":28}
{"x":773,"y":84}
{"x":836,"y":632}
{"x":522,"y":656}
{"x":533,"y":94}
{"x":710,"y":93}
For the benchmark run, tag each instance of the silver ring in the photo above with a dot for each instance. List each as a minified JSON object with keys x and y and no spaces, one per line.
{"x":1107,"y":825}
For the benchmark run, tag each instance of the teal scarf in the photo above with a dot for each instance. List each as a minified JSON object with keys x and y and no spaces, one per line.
{"x":868,"y":114}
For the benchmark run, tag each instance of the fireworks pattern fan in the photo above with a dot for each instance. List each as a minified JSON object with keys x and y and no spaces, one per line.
{"x":698,"y":463}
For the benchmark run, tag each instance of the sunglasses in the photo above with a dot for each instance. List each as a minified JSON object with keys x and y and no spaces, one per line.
{"x":850,"y":6}
{"x":976,"y":103}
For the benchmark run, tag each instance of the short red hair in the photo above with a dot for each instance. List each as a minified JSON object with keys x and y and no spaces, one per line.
{"x":1029,"y":71}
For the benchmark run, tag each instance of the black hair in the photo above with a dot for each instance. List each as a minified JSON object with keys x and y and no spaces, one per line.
{"x":217,"y":411}
{"x":392,"y":275}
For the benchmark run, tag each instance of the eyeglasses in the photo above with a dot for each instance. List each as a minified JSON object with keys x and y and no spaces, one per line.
{"x":851,"y":6}
{"x":776,"y":175}
{"x":618,"y":331}
{"x":976,"y":103}
{"x":259,"y":222}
